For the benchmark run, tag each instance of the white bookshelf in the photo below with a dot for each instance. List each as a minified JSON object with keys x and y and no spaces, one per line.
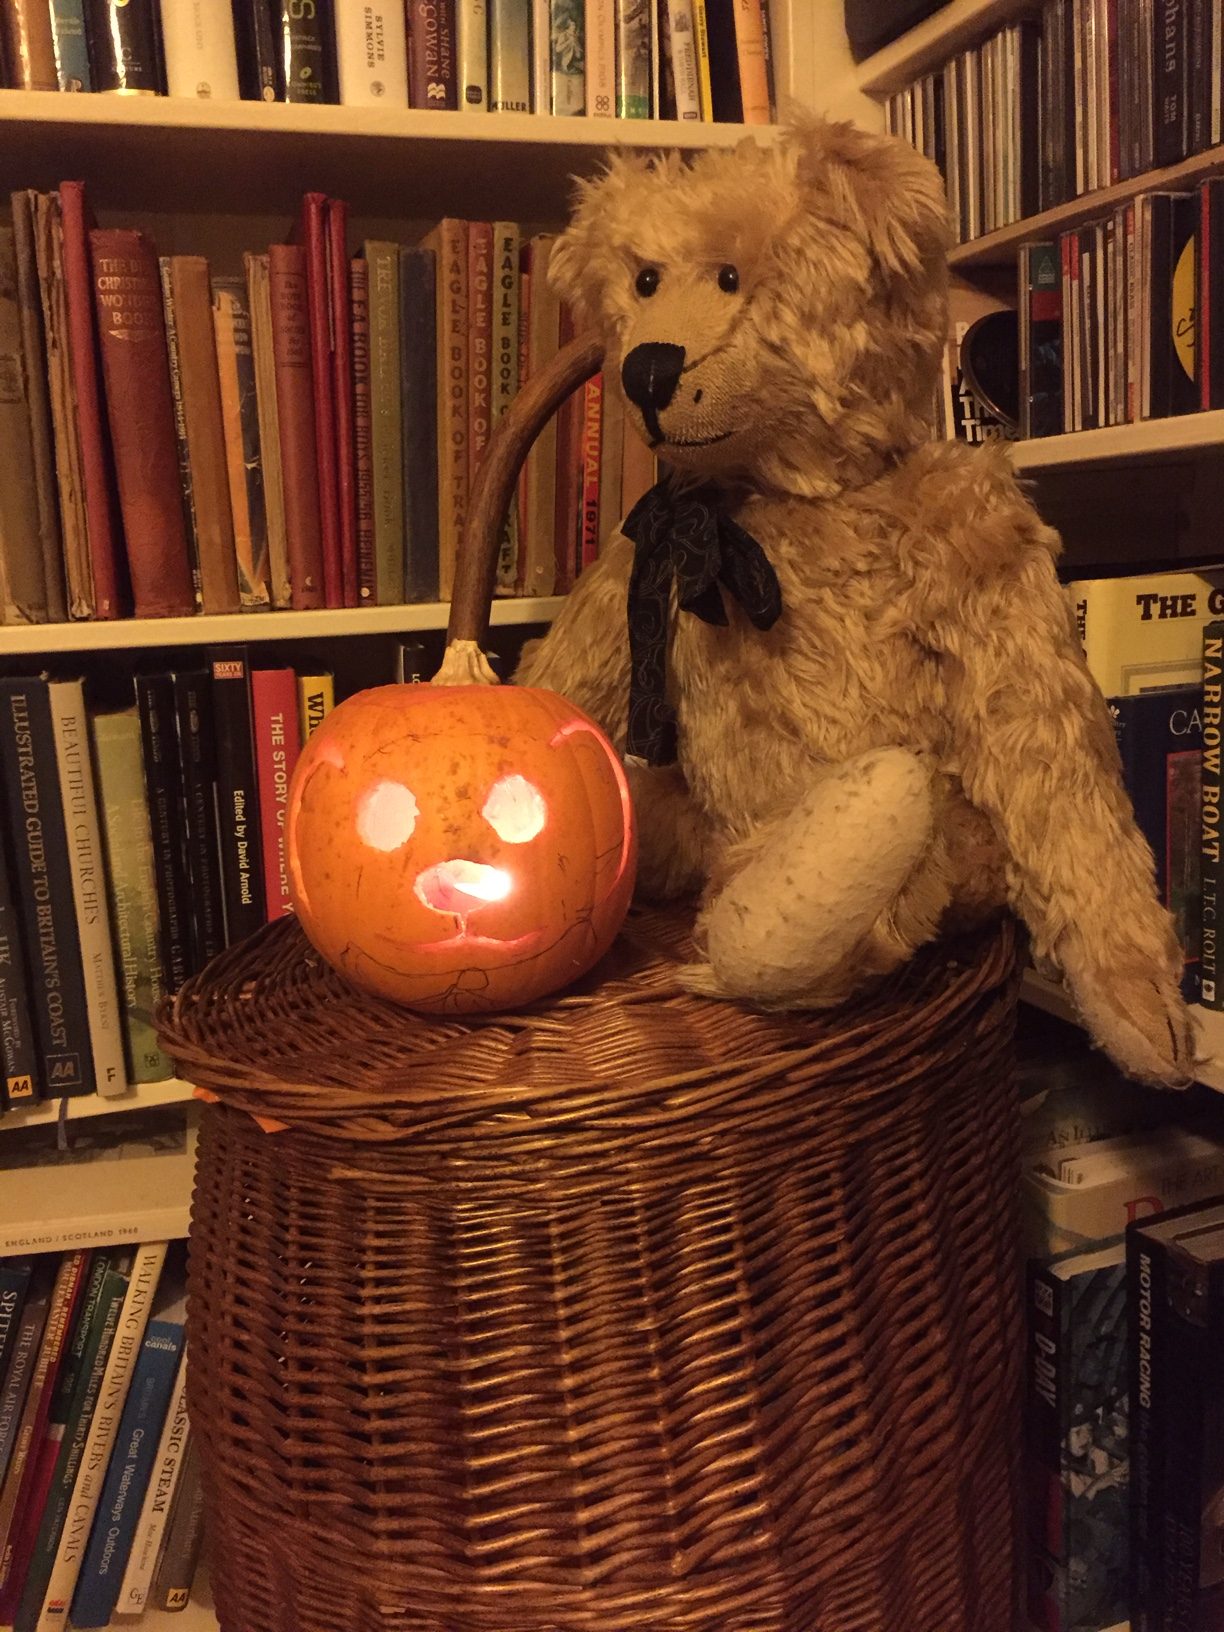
{"x":1200,"y":433}
{"x":146,"y":1096}
{"x":932,"y":42}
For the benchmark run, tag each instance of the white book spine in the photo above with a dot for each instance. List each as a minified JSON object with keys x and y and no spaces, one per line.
{"x":86,"y":861}
{"x":541,"y":56}
{"x":684,"y":59}
{"x":259,"y":300}
{"x":472,"y":36}
{"x":198,"y":42}
{"x":372,"y":54}
{"x":129,"y":1335}
{"x":601,"y":58}
{"x":151,"y":1525}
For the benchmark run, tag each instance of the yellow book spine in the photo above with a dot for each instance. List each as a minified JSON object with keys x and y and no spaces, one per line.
{"x":316,"y":699}
{"x":702,"y":33}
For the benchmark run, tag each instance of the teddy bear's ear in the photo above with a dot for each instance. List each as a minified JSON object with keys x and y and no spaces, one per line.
{"x":587,"y":257}
{"x":880,"y":185}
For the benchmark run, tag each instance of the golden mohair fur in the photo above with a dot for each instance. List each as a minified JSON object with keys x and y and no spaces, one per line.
{"x":917,"y":740}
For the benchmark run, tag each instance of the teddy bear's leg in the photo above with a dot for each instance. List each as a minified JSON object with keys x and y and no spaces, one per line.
{"x":673,"y":835}
{"x":825,"y":894}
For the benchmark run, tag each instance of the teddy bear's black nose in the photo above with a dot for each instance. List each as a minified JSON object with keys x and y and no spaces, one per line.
{"x":651,"y":373}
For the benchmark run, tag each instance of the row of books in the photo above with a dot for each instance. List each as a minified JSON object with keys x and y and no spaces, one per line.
{"x":628,"y":59}
{"x":135,"y":843}
{"x":100,"y":1497}
{"x":1095,"y":92}
{"x":303,"y":435}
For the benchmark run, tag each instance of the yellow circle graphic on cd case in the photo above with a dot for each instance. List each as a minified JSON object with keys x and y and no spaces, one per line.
{"x":1183,"y":314}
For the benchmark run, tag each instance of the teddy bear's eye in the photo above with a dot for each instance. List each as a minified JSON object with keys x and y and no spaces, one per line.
{"x":647,"y":281}
{"x":728,"y":279}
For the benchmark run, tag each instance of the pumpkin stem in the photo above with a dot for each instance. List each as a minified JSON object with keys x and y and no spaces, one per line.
{"x":464,"y":664}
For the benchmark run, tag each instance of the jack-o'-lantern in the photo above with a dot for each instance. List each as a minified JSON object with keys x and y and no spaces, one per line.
{"x":460,"y":848}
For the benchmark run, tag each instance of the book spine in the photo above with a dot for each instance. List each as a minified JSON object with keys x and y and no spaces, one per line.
{"x":44,"y":886}
{"x":452,"y":336}
{"x":316,"y":696}
{"x":191,"y":297}
{"x":1211,"y":904}
{"x":1044,"y":1410}
{"x":127,"y":1477}
{"x":307,"y":48}
{"x":433,"y":76}
{"x":132,"y":884}
{"x":480,"y":338}
{"x":71,"y":47}
{"x":259,"y":297}
{"x":537,"y":572}
{"x":258,"y":59}
{"x":509,"y":56}
{"x":240,"y":427}
{"x":372,"y":55}
{"x":198,"y":771}
{"x":22,"y":587}
{"x":363,"y":434}
{"x":1211,"y":293}
{"x":419,"y":418}
{"x":19,"y":1371}
{"x":339,"y":297}
{"x":199,"y":49}
{"x":564,"y":26}
{"x":159,"y":1494}
{"x":1192,"y":1370}
{"x":701,"y":38}
{"x":29,"y":47}
{"x":685,"y":76}
{"x":85,"y":862}
{"x":277,"y":733}
{"x":296,"y":415}
{"x":237,"y":797}
{"x":506,"y":248}
{"x":634,"y":65}
{"x":123,"y":46}
{"x":318,"y":305}
{"x":592,"y":429}
{"x":21,"y":1083}
{"x":472,"y":47}
{"x":1169,"y":59}
{"x":116,"y":1380}
{"x":567,"y":514}
{"x":1147,"y":1268}
{"x":15,"y":1276}
{"x":69,"y":477}
{"x":599,"y":22}
{"x":181,"y":443}
{"x":386,"y":418}
{"x":140,"y":410}
{"x":184,"y":1535}
{"x":163,"y":790}
{"x":611,"y":458}
{"x":49,"y":602}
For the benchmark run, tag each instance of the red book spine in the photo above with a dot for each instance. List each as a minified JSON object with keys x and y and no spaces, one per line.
{"x":433,"y":75}
{"x":101,"y":498}
{"x":314,"y":236}
{"x":480,"y":339}
{"x":592,"y":435}
{"x":295,"y":407}
{"x":340,"y":300}
{"x":569,"y":473}
{"x":1202,"y":353}
{"x":140,"y":412}
{"x":278,"y":737}
{"x":363,"y":434}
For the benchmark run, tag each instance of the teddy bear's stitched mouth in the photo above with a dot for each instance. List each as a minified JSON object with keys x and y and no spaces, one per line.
{"x":692,"y":442}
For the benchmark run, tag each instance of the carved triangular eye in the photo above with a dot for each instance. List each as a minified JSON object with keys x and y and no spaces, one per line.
{"x":515,"y":810}
{"x":386,"y":815}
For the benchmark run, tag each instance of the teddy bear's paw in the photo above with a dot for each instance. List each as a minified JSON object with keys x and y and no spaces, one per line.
{"x":702,"y":980}
{"x":1137,"y":1014}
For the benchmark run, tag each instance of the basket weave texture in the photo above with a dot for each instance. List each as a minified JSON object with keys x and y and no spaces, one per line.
{"x":636,"y":1312}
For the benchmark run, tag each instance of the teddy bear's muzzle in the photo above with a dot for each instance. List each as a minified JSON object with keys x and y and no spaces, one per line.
{"x":650,"y":374}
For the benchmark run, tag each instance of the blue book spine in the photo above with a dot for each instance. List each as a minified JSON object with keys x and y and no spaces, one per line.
{"x":14,"y":1283}
{"x":110,"y":1540}
{"x":71,"y":48}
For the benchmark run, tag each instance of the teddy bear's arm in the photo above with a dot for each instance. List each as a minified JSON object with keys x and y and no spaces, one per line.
{"x":1036,"y":752}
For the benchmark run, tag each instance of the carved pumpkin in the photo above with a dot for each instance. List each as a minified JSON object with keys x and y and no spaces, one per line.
{"x":460,"y":847}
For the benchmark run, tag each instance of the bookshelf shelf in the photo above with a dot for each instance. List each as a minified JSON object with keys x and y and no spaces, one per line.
{"x":131,"y":633}
{"x":932,"y":42}
{"x":1151,"y":438}
{"x":145,"y":1097}
{"x":200,"y":156}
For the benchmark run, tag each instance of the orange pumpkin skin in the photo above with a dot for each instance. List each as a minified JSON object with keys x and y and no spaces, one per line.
{"x":460,"y":848}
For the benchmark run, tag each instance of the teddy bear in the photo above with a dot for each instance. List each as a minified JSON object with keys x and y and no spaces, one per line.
{"x":834,"y":651}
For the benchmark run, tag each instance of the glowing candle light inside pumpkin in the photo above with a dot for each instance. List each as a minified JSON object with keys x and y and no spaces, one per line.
{"x":459,"y":886}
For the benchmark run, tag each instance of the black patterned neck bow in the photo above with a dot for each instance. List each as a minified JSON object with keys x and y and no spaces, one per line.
{"x":687,"y":537}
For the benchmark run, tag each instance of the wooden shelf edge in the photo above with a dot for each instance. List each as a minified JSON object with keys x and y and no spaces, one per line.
{"x":931,"y":43}
{"x":141,"y":1097}
{"x":1146,"y":438}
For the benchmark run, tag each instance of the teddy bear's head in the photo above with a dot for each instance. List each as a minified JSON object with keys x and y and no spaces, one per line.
{"x":773,"y":312}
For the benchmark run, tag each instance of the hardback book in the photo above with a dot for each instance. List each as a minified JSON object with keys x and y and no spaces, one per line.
{"x":449,"y":242}
{"x":23,"y":597}
{"x":237,"y":795}
{"x":433,"y":74}
{"x":20,"y":1072}
{"x":316,"y":696}
{"x":1211,"y":875}
{"x":140,"y":412}
{"x":168,"y":823}
{"x":278,"y":740}
{"x":363,"y":434}
{"x":70,"y":729}
{"x":313,"y":231}
{"x":21,"y":1362}
{"x":599,"y":58}
{"x":15,"y":1278}
{"x":509,"y":55}
{"x":240,"y":427}
{"x":566,"y":23}
{"x":340,"y":305}
{"x":35,"y":813}
{"x":418,"y":335}
{"x":480,"y":340}
{"x":506,"y":252}
{"x":145,"y":1410}
{"x":182,"y":445}
{"x":611,"y":457}
{"x":197,"y":762}
{"x":634,"y":58}
{"x":259,"y":297}
{"x":386,"y":420}
{"x":259,"y":65}
{"x":51,"y":603}
{"x":306,"y":41}
{"x":724,"y":61}
{"x":537,"y":557}
{"x":472,"y":53}
{"x":123,"y":46}
{"x":1146,"y":631}
{"x":372,"y":54}
{"x":1160,"y":740}
{"x":701,"y":35}
{"x":752,"y":62}
{"x":184,"y":1537}
{"x":291,"y":342}
{"x":188,"y":289}
{"x":49,"y":247}
{"x":1209,"y":352}
{"x":592,"y":438}
{"x":1077,"y":1441}
{"x":567,"y":513}
{"x":1041,"y":406}
{"x":682,"y":42}
{"x":168,"y":1460}
{"x":132,"y":887}
{"x":28,"y":45}
{"x":199,"y":49}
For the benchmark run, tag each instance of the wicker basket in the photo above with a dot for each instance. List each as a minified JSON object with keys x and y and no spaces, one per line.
{"x":636,"y":1312}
